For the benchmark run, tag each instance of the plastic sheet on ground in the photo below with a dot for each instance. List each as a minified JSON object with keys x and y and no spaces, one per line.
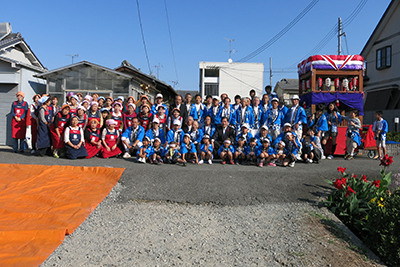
{"x":39,"y":205}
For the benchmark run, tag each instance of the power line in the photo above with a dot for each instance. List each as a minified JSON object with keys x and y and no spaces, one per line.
{"x":280,"y":34}
{"x":172,"y":47}
{"x":144,"y":43}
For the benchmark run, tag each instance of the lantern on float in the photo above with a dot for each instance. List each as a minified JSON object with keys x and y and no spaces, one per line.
{"x":328,"y":82}
{"x":354,"y":82}
{"x":308,"y":84}
{"x":319,"y":83}
{"x":345,"y":84}
{"x":337,"y":84}
{"x":337,"y":102}
{"x":303,"y":86}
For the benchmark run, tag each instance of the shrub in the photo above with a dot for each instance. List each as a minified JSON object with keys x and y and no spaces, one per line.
{"x":393,"y":136}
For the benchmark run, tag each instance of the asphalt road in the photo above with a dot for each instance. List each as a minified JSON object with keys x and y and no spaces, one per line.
{"x":219,"y":184}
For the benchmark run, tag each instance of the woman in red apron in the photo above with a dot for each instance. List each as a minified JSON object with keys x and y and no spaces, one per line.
{"x":162,"y":117}
{"x":116,"y":115}
{"x":74,"y":104}
{"x":73,"y":138}
{"x":19,"y":111}
{"x":145,"y":117}
{"x":92,"y":139}
{"x":94,"y":113}
{"x":57,"y":129}
{"x":129,"y":115}
{"x":34,"y":108}
{"x":82,"y":117}
{"x":110,"y":137}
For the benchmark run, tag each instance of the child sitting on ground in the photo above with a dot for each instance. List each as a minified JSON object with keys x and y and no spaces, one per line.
{"x":144,"y":151}
{"x":226,"y":152}
{"x":250,"y":151}
{"x":171,"y":154}
{"x":353,"y":135}
{"x":307,"y":149}
{"x":206,"y":150}
{"x":240,"y":155}
{"x":291,"y":150}
{"x":316,"y":142}
{"x":380,"y":128}
{"x":156,"y":152}
{"x":265,"y":153}
{"x":188,"y":151}
{"x":280,"y":153}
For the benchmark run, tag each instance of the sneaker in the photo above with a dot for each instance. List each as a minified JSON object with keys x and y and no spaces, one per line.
{"x":184,"y":164}
{"x":377,"y":157}
{"x":33,"y":151}
{"x":346,"y":156}
{"x":160,"y":162}
{"x":298,"y":157}
{"x":56,"y":155}
{"x":201,"y":161}
{"x":126,"y":155}
{"x":231,"y":162}
{"x":210,"y":161}
{"x":271,"y":164}
{"x":223,"y":162}
{"x":350,"y":158}
{"x":260,"y":164}
{"x":329,"y":157}
{"x":310,"y":161}
{"x":291,"y":164}
{"x":323,"y":157}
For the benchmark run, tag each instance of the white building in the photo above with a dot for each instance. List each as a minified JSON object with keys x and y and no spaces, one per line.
{"x":382,"y":78}
{"x":18,"y":64}
{"x":233,"y":78}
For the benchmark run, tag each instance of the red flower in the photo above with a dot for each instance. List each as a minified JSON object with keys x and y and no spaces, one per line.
{"x":376,"y":183}
{"x":386,"y":161}
{"x":349,"y":191}
{"x":340,"y":169}
{"x":364,"y":178}
{"x":354,"y":176}
{"x":340,"y":183}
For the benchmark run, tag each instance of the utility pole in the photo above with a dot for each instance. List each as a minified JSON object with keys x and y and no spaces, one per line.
{"x":230,"y":49}
{"x":158,"y":69}
{"x":340,"y":36}
{"x":270,"y":71}
{"x":73,"y":56}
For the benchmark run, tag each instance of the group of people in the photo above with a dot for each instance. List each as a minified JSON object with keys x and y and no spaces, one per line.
{"x":247,"y":130}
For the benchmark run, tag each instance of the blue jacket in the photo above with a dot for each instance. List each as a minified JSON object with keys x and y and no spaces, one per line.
{"x":160,"y":135}
{"x":384,"y":129}
{"x":248,"y":150}
{"x":154,"y":109}
{"x":232,"y":116}
{"x":210,"y":112}
{"x":162,"y":151}
{"x":260,"y":149}
{"x":256,"y":118}
{"x":300,"y":116}
{"x":271,"y":121}
{"x":197,"y":114}
{"x":281,"y":137}
{"x":190,"y":148}
{"x":291,"y":148}
{"x":248,"y":118}
{"x":223,"y":148}
{"x":203,"y":148}
{"x":330,"y":117}
{"x":320,"y":125}
{"x":247,"y":137}
{"x":284,"y":109}
{"x":196,"y":136}
{"x":171,"y":133}
{"x":148,"y":150}
{"x":211,"y":130}
{"x":259,"y":139}
{"x":128,"y":133}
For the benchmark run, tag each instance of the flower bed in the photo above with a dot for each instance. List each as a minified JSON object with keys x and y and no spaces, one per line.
{"x":370,"y":210}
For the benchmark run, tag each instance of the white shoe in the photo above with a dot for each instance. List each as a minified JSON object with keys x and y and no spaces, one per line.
{"x":126,"y":155}
{"x":309,"y":160}
{"x":329,"y":157}
{"x":298,"y":157}
{"x":210,"y":161}
{"x":291,"y":164}
{"x":201,"y":161}
{"x":33,"y":151}
{"x":323,"y":157}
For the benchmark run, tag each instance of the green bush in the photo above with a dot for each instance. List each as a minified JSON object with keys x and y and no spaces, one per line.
{"x":393,"y":136}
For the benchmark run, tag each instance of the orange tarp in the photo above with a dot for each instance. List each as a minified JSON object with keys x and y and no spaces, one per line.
{"x":39,"y":205}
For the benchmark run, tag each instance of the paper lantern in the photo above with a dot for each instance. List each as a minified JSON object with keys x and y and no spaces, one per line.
{"x":354,"y":82}
{"x":303,"y":85}
{"x":308,"y":84}
{"x":319,"y":83}
{"x":337,"y":103}
{"x":345,"y":84}
{"x":337,"y":84}
{"x":328,"y":82}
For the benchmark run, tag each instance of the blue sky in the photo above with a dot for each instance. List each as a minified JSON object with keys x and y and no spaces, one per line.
{"x":108,"y":32}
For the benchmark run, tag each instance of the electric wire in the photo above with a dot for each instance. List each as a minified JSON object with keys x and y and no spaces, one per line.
{"x":144,"y":43}
{"x":172,"y":47}
{"x":281,"y":33}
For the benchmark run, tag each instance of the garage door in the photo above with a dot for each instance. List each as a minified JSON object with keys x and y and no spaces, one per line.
{"x":7,"y":95}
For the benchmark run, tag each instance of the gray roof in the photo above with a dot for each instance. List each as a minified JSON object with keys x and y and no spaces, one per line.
{"x":288,"y":84}
{"x":10,"y":60}
{"x":14,"y":39}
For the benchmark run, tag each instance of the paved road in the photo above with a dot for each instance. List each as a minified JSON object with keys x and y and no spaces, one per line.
{"x":219,"y":184}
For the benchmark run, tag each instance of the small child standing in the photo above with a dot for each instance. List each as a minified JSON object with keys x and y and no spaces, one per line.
{"x":265,"y":153}
{"x":206,"y":150}
{"x":226,"y":152}
{"x":307,"y":149}
{"x":291,"y":150}
{"x":144,"y":151}
{"x":250,"y":151}
{"x":240,"y":155}
{"x":171,"y":154}
{"x":156,"y":152}
{"x":353,"y":135}
{"x":380,"y":128}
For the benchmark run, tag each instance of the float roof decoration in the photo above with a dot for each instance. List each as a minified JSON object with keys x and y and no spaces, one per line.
{"x":331,"y":62}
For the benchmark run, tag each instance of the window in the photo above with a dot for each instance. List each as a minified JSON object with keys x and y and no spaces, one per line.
{"x":211,"y":89}
{"x":384,"y":58}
